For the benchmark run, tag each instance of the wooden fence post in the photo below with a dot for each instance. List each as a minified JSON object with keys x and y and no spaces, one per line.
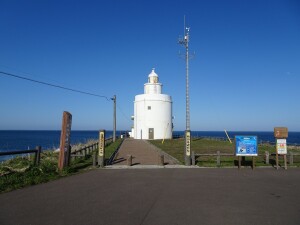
{"x":94,"y":158}
{"x":37,"y":155}
{"x":193,"y":158}
{"x":285,"y":163}
{"x":68,"y":155}
{"x":267,"y":157}
{"x":85,"y":152}
{"x":291,"y":160}
{"x":129,"y":160}
{"x":277,"y":163}
{"x":218,"y":159}
{"x":161,"y":160}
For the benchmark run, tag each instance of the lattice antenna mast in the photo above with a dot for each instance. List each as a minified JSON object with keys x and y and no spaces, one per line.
{"x":185,"y":42}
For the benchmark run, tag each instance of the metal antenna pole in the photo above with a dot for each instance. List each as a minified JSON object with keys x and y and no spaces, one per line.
{"x":185,"y":42}
{"x":187,"y":82}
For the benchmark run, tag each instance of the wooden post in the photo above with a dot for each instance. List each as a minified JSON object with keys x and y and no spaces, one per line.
{"x":68,"y":155}
{"x":291,"y":161}
{"x":285,"y":163}
{"x":129,"y":160}
{"x":253,"y":162}
{"x":37,"y":155}
{"x":240,"y":162}
{"x":101,"y":147}
{"x":94,"y":159}
{"x":277,"y":163}
{"x":218,"y":159}
{"x":64,"y":139}
{"x":193,"y":158}
{"x":161,"y":160}
{"x":85,"y":152}
{"x":267,"y":157}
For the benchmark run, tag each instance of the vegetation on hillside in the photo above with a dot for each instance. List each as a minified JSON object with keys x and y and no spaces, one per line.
{"x":20,"y":172}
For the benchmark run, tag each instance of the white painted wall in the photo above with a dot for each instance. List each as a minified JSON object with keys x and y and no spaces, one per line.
{"x":158,"y":117}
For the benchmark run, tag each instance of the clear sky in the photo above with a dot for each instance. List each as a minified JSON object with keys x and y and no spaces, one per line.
{"x":245,"y":75}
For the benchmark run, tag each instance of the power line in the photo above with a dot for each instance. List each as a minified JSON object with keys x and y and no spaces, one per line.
{"x":124,"y":114}
{"x":53,"y":85}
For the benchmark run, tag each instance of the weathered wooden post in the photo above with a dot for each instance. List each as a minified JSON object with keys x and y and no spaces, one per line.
{"x":65,"y":140}
{"x":68,"y":156}
{"x":267,"y":157}
{"x":161,"y":160}
{"x":101,"y":147}
{"x":37,"y":155}
{"x":94,"y":159}
{"x":285,"y":163}
{"x":129,"y":160}
{"x":218,"y":159}
{"x":193,"y":158}
{"x":291,"y":161}
{"x":253,"y":162}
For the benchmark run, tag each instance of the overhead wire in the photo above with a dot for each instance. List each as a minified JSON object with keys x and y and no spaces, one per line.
{"x":64,"y":88}
{"x":53,"y":85}
{"x":123,"y":114}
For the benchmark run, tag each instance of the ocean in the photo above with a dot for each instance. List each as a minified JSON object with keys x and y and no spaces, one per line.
{"x":49,"y":140}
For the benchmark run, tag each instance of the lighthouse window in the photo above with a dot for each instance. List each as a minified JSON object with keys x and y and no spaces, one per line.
{"x":149,"y":107}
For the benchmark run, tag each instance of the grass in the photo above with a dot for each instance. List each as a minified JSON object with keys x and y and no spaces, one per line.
{"x":111,"y":147}
{"x":175,"y":148}
{"x":20,"y":172}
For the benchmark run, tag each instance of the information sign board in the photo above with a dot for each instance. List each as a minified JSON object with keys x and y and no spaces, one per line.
{"x":281,"y":146}
{"x":246,"y":146}
{"x":280,"y":132}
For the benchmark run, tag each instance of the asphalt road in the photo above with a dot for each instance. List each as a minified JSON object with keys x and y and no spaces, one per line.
{"x":159,"y":196}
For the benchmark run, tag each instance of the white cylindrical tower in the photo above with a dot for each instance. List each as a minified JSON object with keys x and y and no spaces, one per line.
{"x":153,"y":111}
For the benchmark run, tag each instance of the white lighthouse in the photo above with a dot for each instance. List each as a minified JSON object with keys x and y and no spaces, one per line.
{"x":152,"y":112}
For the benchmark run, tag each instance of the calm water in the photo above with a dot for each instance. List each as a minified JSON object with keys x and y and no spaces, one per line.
{"x":22,"y":140}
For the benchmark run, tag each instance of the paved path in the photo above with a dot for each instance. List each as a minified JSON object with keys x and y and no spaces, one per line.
{"x":159,"y":196}
{"x":143,"y":153}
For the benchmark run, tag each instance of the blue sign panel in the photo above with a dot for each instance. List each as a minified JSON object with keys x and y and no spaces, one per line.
{"x":246,"y":146}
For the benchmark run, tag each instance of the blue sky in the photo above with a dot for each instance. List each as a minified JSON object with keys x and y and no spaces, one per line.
{"x":245,"y":75}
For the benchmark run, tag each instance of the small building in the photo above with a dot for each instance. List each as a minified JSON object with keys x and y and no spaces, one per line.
{"x":152,"y":112}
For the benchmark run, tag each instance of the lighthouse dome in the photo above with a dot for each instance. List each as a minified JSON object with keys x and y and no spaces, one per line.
{"x":153,"y":77}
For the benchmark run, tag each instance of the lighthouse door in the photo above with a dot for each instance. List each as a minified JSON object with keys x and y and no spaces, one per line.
{"x":151,"y":133}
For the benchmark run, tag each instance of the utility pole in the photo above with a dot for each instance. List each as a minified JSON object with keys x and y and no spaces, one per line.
{"x":185,"y":42}
{"x":115,"y":118}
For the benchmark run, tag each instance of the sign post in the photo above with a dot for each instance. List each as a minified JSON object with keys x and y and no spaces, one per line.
{"x":281,"y":133}
{"x":187,"y":148}
{"x":65,"y":150}
{"x":101,"y":148}
{"x":246,"y":146}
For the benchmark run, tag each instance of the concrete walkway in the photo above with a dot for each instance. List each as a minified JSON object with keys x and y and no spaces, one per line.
{"x":143,"y":153}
